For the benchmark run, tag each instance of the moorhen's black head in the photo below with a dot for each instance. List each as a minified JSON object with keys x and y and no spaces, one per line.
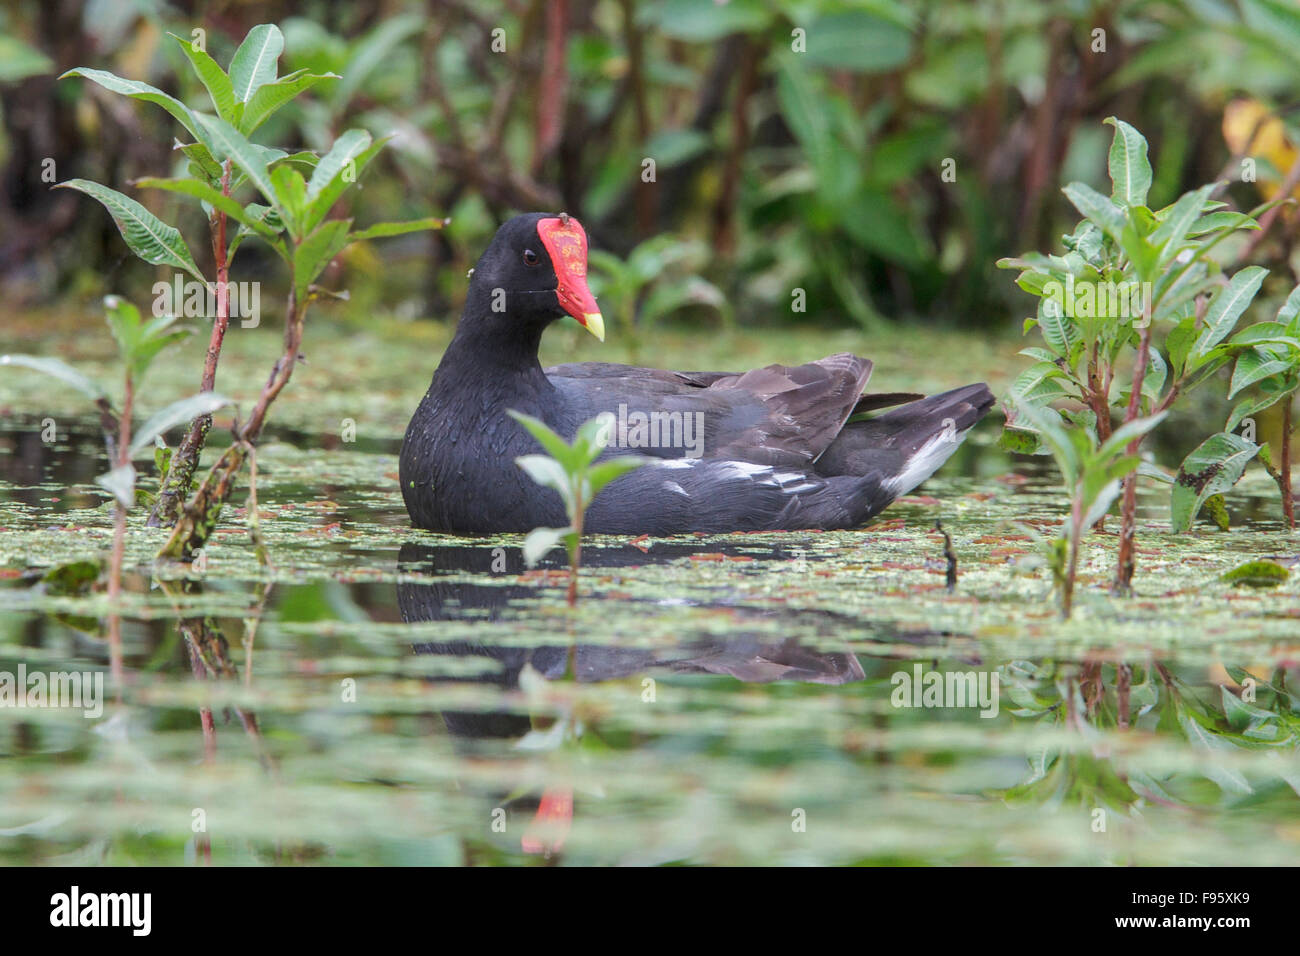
{"x":534,"y":272}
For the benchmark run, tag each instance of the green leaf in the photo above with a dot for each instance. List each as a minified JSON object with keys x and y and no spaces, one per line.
{"x":708,"y":23}
{"x":1130,"y":171}
{"x":1030,"y":382}
{"x":1253,"y":366}
{"x":314,"y":253}
{"x":162,"y":457}
{"x":541,"y":540}
{"x":546,"y":471}
{"x":269,"y":219}
{"x":337,"y":169}
{"x":1142,"y":254}
{"x":1211,"y":469}
{"x":59,"y":369}
{"x":592,"y":437}
{"x":140,"y":91}
{"x":148,"y":236}
{"x":1199,"y":736}
{"x":603,"y":472}
{"x":177,"y":413}
{"x":1021,"y":441}
{"x":1171,"y":232}
{"x":120,"y":483}
{"x":207,"y":167}
{"x":554,"y":445}
{"x":549,"y":473}
{"x":231,"y":144}
{"x":291,"y":189}
{"x":19,"y":61}
{"x":254,"y":63}
{"x":857,"y":40}
{"x":372,"y":51}
{"x":148,"y":349}
{"x":1097,"y":209}
{"x":1047,"y":423}
{"x":1156,"y":374}
{"x":1248,"y":407}
{"x":1179,"y":342}
{"x":301,"y":158}
{"x":1273,"y":334}
{"x":1059,"y":331}
{"x":123,"y":321}
{"x":1121,"y":436}
{"x":1290,"y":308}
{"x":382,"y":229}
{"x":213,"y":77}
{"x":1098,"y":500}
{"x":1227,"y":306}
{"x":213,"y":197}
{"x":1222,"y":222}
{"x":271,"y":96}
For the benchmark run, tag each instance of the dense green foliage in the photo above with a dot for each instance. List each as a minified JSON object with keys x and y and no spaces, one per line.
{"x":876,"y":156}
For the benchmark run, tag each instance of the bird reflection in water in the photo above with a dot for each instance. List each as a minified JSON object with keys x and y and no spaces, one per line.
{"x":434,"y":588}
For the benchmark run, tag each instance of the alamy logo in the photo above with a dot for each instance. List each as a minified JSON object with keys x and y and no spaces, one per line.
{"x":684,"y":430}
{"x":935,"y":689}
{"x":198,"y":300}
{"x":133,"y":910}
{"x":78,"y":690}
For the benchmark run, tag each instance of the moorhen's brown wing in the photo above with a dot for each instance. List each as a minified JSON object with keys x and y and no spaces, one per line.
{"x":778,"y":415}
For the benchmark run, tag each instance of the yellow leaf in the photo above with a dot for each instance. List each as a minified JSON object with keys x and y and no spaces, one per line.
{"x":1240,"y":120}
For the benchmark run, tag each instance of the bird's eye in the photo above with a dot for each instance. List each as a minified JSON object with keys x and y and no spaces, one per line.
{"x":530,"y":257}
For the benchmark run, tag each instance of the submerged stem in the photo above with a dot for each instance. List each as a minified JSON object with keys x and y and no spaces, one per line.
{"x":1288,"y":500}
{"x":119,"y":542}
{"x":575,"y":557}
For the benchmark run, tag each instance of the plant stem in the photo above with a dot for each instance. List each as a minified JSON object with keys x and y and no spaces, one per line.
{"x":575,"y":559}
{"x":1288,"y":501}
{"x":199,"y":515}
{"x":1266,"y":221}
{"x":119,"y":543}
{"x":180,"y":474}
{"x":1124,"y":564}
{"x":1072,"y":566}
{"x":1123,"y":688}
{"x":1099,"y":399}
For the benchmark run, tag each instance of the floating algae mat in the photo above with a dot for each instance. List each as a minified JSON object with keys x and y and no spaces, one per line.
{"x":408,"y":698}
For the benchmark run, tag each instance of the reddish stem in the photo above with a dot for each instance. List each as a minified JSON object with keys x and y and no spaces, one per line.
{"x":119,"y":542}
{"x":1288,"y":501}
{"x":186,"y":457}
{"x":1125,"y":563}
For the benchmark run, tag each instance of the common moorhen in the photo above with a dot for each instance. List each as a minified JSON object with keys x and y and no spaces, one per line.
{"x":775,"y":448}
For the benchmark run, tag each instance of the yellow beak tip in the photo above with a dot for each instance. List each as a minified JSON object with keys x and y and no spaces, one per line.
{"x":595,"y":324}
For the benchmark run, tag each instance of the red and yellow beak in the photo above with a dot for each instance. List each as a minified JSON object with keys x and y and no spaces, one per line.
{"x":566,"y":241}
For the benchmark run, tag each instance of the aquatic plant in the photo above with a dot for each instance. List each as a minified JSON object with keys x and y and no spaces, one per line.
{"x":571,"y":470}
{"x":1128,"y":273}
{"x":138,"y":343}
{"x":1246,"y":713}
{"x":292,"y":221}
{"x":1093,"y":471}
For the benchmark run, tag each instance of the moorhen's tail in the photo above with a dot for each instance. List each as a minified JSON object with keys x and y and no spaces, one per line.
{"x":907,"y":445}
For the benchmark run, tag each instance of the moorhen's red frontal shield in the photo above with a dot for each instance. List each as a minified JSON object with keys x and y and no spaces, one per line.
{"x":566,"y":241}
